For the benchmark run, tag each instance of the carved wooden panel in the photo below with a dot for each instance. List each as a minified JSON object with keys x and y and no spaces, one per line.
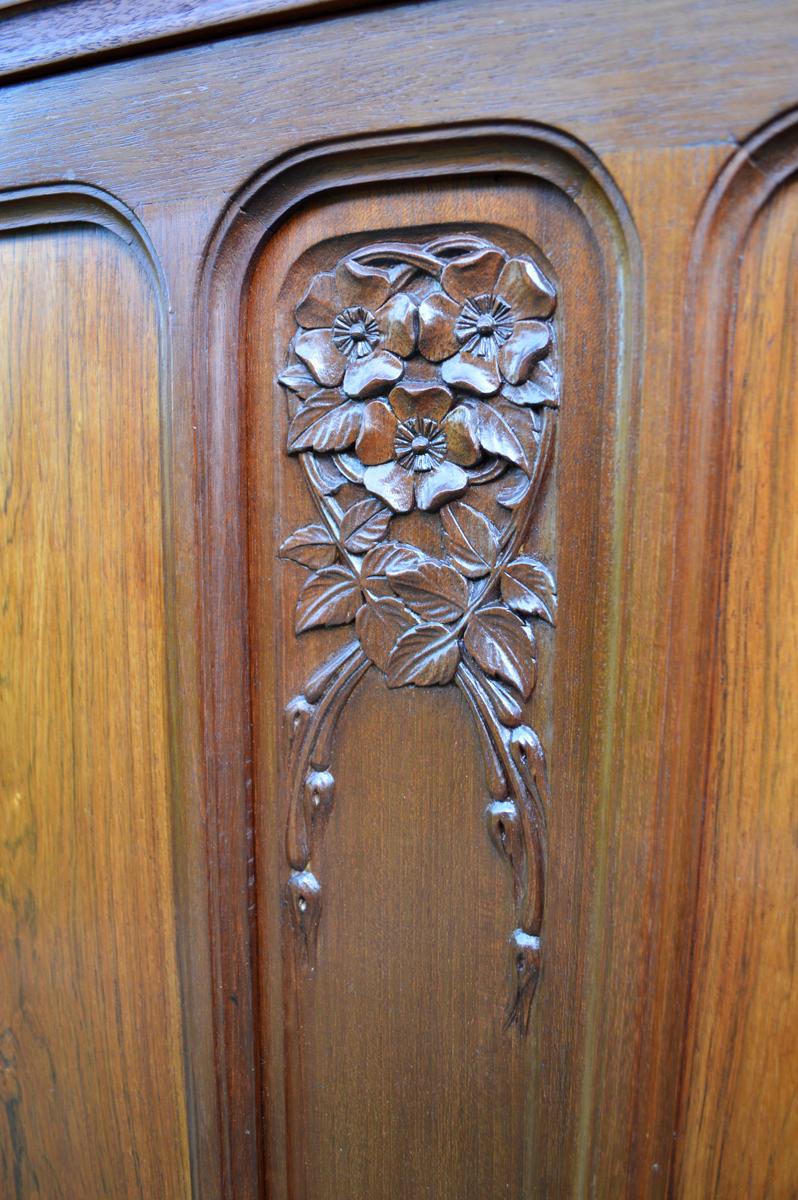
{"x":398,"y":600}
{"x":419,"y":376}
{"x":425,"y":394}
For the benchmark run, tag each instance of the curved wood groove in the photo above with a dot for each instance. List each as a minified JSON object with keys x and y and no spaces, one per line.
{"x":264,"y":203}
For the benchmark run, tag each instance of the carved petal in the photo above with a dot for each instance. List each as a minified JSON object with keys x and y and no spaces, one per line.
{"x":435,"y":487}
{"x":436,"y":317}
{"x":317,"y":350}
{"x":321,"y":303}
{"x":371,"y":375}
{"x":529,"y":342}
{"x":420,"y":400}
{"x":397,"y":321}
{"x":472,"y":275}
{"x":462,"y":436}
{"x":358,"y":284}
{"x":391,"y":483}
{"x":377,"y":434}
{"x":526,"y":289}
{"x":479,"y":375}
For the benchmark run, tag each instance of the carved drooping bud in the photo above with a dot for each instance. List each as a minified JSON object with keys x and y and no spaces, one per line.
{"x":319,"y":793}
{"x":504,"y":830}
{"x":303,"y":896}
{"x":527,"y":754}
{"x":525,"y":972}
{"x":297,"y":715}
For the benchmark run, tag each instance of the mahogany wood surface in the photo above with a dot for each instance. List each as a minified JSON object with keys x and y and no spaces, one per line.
{"x":165,"y":210}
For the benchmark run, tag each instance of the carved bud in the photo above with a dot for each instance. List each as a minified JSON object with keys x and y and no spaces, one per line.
{"x":527,"y":754}
{"x":303,"y":896}
{"x":297,"y":715}
{"x":319,"y":794}
{"x":525,"y":972}
{"x":504,"y":830}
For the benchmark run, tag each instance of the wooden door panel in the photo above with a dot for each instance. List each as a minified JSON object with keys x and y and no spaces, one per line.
{"x":739,"y":1116}
{"x":412,"y":969}
{"x":355,"y":1044}
{"x":90,"y":1045}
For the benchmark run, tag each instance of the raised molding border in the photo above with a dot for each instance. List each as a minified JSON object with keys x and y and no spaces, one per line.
{"x":498,"y":148}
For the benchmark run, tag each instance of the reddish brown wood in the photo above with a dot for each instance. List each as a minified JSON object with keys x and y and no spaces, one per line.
{"x":252,"y":161}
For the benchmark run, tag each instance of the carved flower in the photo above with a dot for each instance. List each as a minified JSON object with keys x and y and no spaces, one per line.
{"x":488,"y":322}
{"x":415,"y":447}
{"x":355,"y":330}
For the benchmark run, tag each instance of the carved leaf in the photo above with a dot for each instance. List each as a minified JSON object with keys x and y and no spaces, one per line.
{"x":532,"y":393}
{"x":297,"y":378}
{"x":330,"y":597}
{"x":472,"y":541}
{"x":426,"y":655}
{"x":311,"y":546}
{"x":503,"y":646}
{"x":380,"y":558}
{"x":432,"y":589}
{"x":331,"y":424}
{"x":503,"y":431}
{"x":544,"y":378}
{"x":528,"y":587}
{"x":325,"y":474}
{"x":515,"y":492}
{"x":508,"y":709}
{"x":379,"y":625}
{"x":364,"y":524}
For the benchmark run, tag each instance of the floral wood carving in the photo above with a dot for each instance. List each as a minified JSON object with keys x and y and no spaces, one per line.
{"x":422,"y":385}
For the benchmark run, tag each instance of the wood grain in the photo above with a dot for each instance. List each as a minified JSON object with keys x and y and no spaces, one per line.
{"x":37,"y":37}
{"x":554,"y":63}
{"x":661,"y":94}
{"x":740,"y":1120}
{"x":90,"y":1047}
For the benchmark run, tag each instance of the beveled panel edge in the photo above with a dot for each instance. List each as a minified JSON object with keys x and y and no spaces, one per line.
{"x":746,"y":183}
{"x":264,"y":202}
{"x":43,"y":207}
{"x":62,"y":35}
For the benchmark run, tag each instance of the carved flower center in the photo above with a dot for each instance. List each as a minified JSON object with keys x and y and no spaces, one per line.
{"x":420,"y":444}
{"x":484,"y":324}
{"x":355,"y":332}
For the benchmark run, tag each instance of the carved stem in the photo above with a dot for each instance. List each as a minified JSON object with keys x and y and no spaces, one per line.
{"x":315,"y":734}
{"x":529,"y":805}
